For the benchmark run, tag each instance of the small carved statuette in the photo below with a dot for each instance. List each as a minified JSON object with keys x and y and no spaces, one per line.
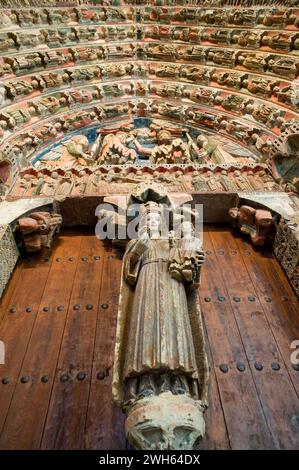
{"x":257,"y":223}
{"x":38,"y":229}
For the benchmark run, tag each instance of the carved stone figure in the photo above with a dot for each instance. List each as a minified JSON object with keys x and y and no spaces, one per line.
{"x":115,"y":149}
{"x":231,"y":79}
{"x":280,"y":41}
{"x":65,"y":185}
{"x":50,"y":184}
{"x":250,"y":39}
{"x":255,"y":181}
{"x":212,"y":182}
{"x":233,"y":102}
{"x":269,"y":183}
{"x":154,"y":380}
{"x":81,"y":182}
{"x":225,"y":181}
{"x":199,"y":182}
{"x":250,"y":61}
{"x":221,"y":57}
{"x":241,"y":182}
{"x":161,"y":51}
{"x":288,"y":95}
{"x":283,"y":66}
{"x":38,"y":230}
{"x":257,"y":223}
{"x":176,"y":152}
{"x":95,"y":182}
{"x":260,"y":86}
{"x":195,"y":74}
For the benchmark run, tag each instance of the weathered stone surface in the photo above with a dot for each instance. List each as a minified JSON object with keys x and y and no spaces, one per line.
{"x":257,"y":223}
{"x":165,"y":422}
{"x":37,"y":230}
{"x":161,"y":275}
{"x":286,"y":249}
{"x":9,"y":254}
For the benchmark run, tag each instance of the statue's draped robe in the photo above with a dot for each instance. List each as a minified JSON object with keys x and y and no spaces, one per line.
{"x":159,"y":331}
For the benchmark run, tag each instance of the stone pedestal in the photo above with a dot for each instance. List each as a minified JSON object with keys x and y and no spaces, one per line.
{"x":165,"y":422}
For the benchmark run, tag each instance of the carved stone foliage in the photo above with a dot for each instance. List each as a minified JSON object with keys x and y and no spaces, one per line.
{"x":286,"y":249}
{"x":37,"y":230}
{"x":160,"y":372}
{"x":8,"y":255}
{"x":257,"y":223}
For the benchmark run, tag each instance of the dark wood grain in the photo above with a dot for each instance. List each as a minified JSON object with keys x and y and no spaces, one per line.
{"x":9,"y":290}
{"x":259,"y":342}
{"x":64,"y":429}
{"x":102,"y":414}
{"x":216,"y":436}
{"x":25,"y":420}
{"x":248,"y":410}
{"x":17,"y":324}
{"x":244,"y":416}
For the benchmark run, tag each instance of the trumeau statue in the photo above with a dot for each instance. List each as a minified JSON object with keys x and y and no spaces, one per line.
{"x":160,"y":371}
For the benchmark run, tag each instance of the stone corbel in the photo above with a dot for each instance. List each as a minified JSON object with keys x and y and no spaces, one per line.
{"x":37,"y":230}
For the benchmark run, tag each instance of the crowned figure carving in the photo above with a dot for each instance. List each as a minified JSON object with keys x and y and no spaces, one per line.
{"x":160,"y":370}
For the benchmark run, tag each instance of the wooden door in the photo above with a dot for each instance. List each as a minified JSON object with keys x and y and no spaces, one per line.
{"x":58,"y":321}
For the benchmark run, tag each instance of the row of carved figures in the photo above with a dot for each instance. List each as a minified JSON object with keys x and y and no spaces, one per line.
{"x":23,"y":145}
{"x":247,"y":39}
{"x":256,"y":62}
{"x":15,"y":90}
{"x":80,"y":181}
{"x":265,"y":114}
{"x":172,"y":3}
{"x":270,"y":17}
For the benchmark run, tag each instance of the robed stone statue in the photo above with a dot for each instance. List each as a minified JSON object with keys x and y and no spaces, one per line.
{"x":160,"y":371}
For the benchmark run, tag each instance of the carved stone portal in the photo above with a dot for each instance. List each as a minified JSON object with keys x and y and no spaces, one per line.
{"x":160,"y":371}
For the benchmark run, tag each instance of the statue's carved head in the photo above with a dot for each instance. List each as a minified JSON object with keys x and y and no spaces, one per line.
{"x":165,"y":421}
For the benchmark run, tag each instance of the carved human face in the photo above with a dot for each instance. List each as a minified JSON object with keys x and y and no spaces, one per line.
{"x":173,"y":422}
{"x":187,"y":229}
{"x":153,"y":223}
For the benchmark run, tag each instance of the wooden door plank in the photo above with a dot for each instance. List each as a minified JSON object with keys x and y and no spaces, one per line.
{"x":27,"y":412}
{"x":259,"y":343}
{"x":105,"y":422}
{"x":281,"y":311}
{"x":64,"y":428}
{"x":16,"y":327}
{"x":244,"y":416}
{"x":216,"y":436}
{"x":10,"y":288}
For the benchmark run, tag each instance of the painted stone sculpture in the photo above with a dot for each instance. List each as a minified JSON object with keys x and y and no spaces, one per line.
{"x":257,"y":223}
{"x":38,"y":229}
{"x":160,"y":372}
